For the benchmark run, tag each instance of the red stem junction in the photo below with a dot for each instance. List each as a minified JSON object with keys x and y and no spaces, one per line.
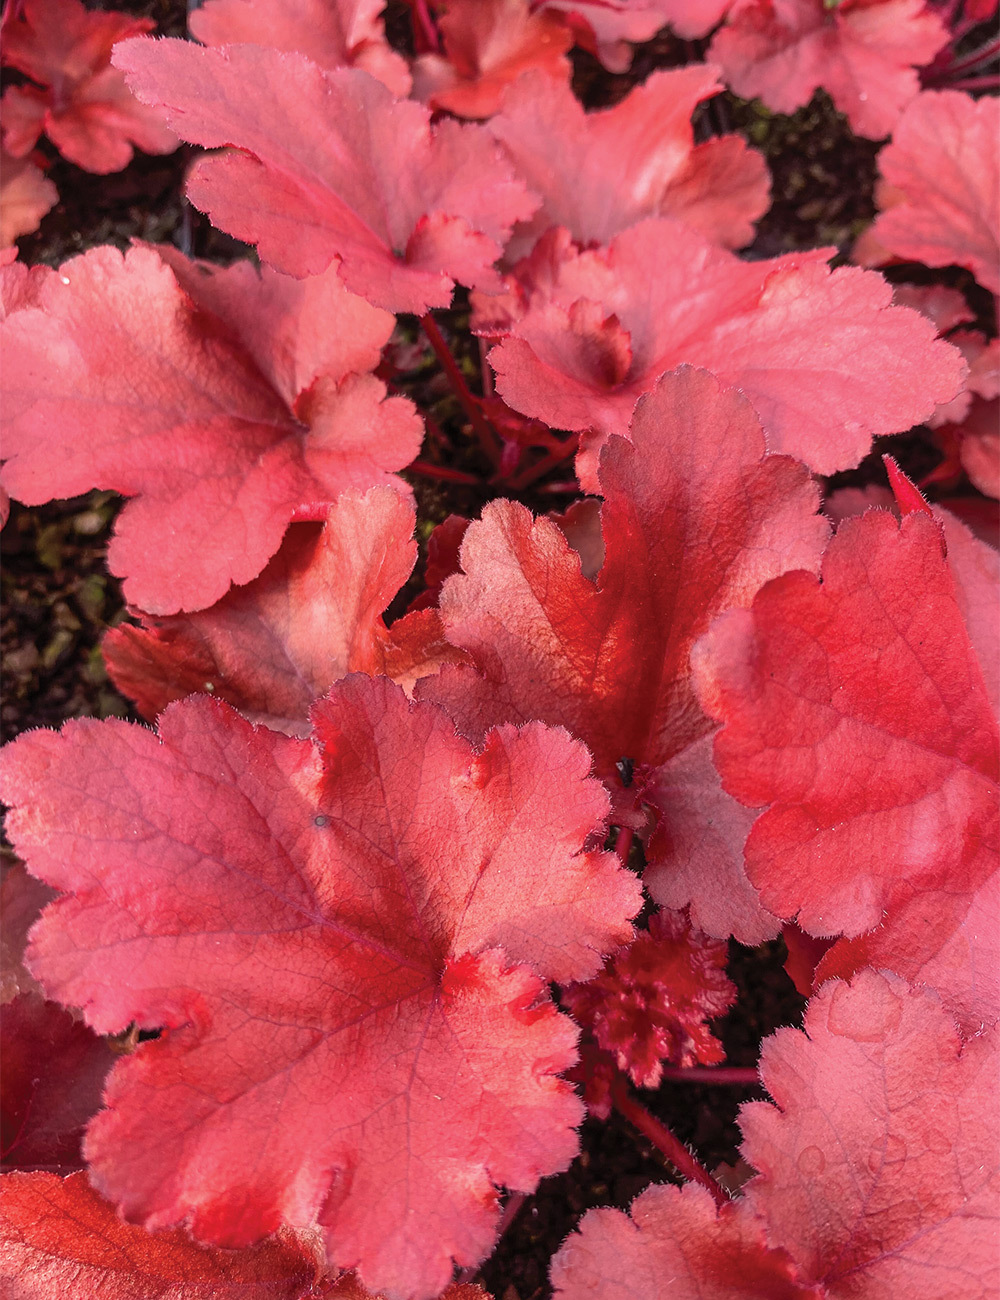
{"x":485,"y":434}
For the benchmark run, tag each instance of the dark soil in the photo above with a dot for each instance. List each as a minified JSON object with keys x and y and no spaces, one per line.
{"x":57,"y":598}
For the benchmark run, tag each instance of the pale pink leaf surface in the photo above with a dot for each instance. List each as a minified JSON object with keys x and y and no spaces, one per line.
{"x":325,"y":930}
{"x":878,"y":1161}
{"x":333,"y":33}
{"x":598,"y":173}
{"x":315,"y":614}
{"x":328,"y":165}
{"x":694,"y":855}
{"x":26,"y":194}
{"x":60,"y":1238}
{"x":20,"y":285}
{"x":674,"y":1244}
{"x":222,"y":402}
{"x":941,"y":187}
{"x":488,"y":44}
{"x":856,"y":708}
{"x":84,"y":106}
{"x":824,"y":357}
{"x":695,"y":519}
{"x":863,"y":52}
{"x":651,"y":1003}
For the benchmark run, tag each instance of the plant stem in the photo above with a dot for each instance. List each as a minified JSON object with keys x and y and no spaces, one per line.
{"x":488,"y":440}
{"x":988,"y":81}
{"x":733,"y":1076}
{"x":425,"y":28}
{"x":661,"y":1137}
{"x":541,"y":467}
{"x":428,"y":470}
{"x":623,"y":844}
{"x":972,"y":61}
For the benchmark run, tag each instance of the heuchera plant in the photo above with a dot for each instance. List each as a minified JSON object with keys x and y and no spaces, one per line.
{"x":309,"y":982}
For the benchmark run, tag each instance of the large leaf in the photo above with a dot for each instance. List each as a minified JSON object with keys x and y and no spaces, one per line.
{"x":327,"y":932}
{"x":327,"y":165}
{"x":695,"y":519}
{"x":224,"y":402}
{"x":825,"y":358}
{"x":856,"y":708}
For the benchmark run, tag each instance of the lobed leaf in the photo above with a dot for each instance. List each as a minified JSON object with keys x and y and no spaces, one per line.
{"x":323,"y":930}
{"x":328,"y":165}
{"x":223,"y":402}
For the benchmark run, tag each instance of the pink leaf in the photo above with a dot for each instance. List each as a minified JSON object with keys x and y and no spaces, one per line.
{"x":488,"y":45}
{"x":862,"y":51}
{"x":941,"y":187}
{"x":26,"y":194}
{"x":327,"y":165}
{"x":675,"y":1244}
{"x":315,"y":613}
{"x":333,"y":33}
{"x":856,"y":708}
{"x":324,"y":931}
{"x":600,"y":172}
{"x":85,"y":108}
{"x":695,"y":518}
{"x":823,"y":356}
{"x":879,"y":1160}
{"x":222,"y":401}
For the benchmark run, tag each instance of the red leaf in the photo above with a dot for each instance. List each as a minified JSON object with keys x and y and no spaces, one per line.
{"x":598,"y":173}
{"x":488,"y":44}
{"x":856,"y":708}
{"x":980,"y":447}
{"x":314,"y":614}
{"x":26,"y":195}
{"x":823,"y":356}
{"x":947,"y":940}
{"x":651,"y":1003}
{"x":333,"y":33}
{"x":327,"y":165}
{"x":223,"y":401}
{"x":863,"y":52}
{"x":879,"y":1160}
{"x":941,"y":187}
{"x":61,"y":1239}
{"x":53,"y":1071}
{"x":85,"y":107}
{"x":677,"y":1245}
{"x":695,"y":517}
{"x":324,"y":930}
